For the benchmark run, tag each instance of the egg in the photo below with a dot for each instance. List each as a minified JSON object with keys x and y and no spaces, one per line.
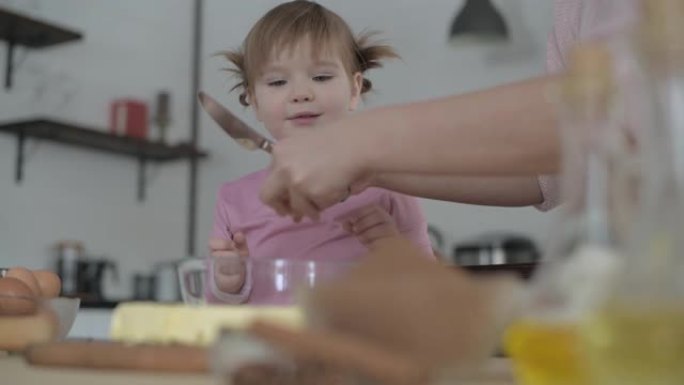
{"x":25,"y":275}
{"x":16,"y":298}
{"x":20,"y":332}
{"x":49,"y":282}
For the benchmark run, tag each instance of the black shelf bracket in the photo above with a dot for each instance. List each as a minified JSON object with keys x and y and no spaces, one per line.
{"x":142,"y":178}
{"x":9,"y":65}
{"x":19,"y":166}
{"x":19,"y":29}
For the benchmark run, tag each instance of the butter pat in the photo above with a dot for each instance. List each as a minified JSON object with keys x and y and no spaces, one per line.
{"x":150,"y":322}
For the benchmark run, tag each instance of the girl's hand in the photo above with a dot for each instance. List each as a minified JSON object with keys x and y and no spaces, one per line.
{"x":229,"y":268}
{"x":370,"y":224}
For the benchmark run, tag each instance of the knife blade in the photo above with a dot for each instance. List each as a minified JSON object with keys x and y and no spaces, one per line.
{"x":243,"y":134}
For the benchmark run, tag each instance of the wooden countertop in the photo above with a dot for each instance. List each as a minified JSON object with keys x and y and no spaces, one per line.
{"x":14,"y":370}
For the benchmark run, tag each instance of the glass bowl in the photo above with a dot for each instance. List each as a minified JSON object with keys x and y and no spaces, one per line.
{"x":266,"y":281}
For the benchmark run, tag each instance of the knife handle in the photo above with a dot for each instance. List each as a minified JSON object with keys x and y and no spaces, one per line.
{"x":266,"y":145}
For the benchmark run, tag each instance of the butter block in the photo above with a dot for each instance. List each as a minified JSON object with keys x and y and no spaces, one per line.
{"x":150,"y":322}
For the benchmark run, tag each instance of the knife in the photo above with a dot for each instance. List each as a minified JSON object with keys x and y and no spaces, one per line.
{"x":245,"y":135}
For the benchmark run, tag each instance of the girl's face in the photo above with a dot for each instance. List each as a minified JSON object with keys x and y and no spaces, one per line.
{"x":298,"y":91}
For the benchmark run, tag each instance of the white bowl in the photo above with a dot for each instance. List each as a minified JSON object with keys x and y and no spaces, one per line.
{"x":66,"y":310}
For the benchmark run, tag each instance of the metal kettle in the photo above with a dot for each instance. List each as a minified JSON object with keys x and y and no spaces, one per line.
{"x":90,"y":277}
{"x":67,"y":255}
{"x":167,"y":287}
{"x":496,"y":249}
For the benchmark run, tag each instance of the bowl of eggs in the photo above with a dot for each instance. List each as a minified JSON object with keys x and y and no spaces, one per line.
{"x":31,"y":310}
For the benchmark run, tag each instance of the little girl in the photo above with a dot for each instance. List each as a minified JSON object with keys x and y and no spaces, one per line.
{"x":300,"y":67}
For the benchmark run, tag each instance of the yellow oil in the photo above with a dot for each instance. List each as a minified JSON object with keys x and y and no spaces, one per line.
{"x":630,"y":345}
{"x":546,"y":353}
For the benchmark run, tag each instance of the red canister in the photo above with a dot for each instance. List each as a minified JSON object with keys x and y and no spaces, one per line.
{"x":129,"y":117}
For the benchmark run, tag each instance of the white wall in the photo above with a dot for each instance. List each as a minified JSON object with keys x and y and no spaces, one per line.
{"x":136,"y":47}
{"x":131,"y":48}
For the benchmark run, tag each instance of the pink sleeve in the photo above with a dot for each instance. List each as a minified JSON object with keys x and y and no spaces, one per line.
{"x":565,"y":33}
{"x":579,"y":20}
{"x":550,"y":189}
{"x":410,"y":220}
{"x":575,"y":21}
{"x":221,"y":227}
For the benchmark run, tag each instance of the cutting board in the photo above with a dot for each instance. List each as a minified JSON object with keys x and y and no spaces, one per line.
{"x":119,"y":356}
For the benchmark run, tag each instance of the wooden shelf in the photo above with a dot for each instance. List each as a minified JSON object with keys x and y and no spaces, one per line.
{"x":72,"y":134}
{"x":17,"y":29}
{"x":94,"y":139}
{"x":33,"y":33}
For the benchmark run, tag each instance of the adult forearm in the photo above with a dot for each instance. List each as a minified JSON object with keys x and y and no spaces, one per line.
{"x":490,"y":191}
{"x":507,"y":130}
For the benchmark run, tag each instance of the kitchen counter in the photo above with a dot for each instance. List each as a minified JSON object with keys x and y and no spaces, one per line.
{"x":14,"y":370}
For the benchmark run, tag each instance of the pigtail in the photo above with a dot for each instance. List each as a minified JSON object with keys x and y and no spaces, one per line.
{"x":237,"y":59}
{"x":369,"y":56}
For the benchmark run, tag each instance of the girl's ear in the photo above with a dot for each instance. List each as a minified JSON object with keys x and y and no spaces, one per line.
{"x":244,"y":100}
{"x":357,"y":84}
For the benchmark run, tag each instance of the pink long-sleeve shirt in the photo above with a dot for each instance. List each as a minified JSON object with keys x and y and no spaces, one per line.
{"x":269,"y":236}
{"x":575,"y":21}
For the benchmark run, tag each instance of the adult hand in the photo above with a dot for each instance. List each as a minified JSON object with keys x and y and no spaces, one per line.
{"x":314,"y":170}
{"x":400,"y":300}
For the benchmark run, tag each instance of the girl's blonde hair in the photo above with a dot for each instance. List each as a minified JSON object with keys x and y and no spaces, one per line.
{"x":288,"y":24}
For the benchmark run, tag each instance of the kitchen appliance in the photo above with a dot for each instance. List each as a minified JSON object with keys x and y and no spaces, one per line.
{"x":167,"y":288}
{"x":82,"y":276}
{"x":68,"y":254}
{"x":160,"y":284}
{"x":90,"y":277}
{"x":246,"y":136}
{"x":144,"y":287}
{"x":496,"y":249}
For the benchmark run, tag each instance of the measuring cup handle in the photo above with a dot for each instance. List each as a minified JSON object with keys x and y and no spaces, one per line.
{"x":186,"y":270}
